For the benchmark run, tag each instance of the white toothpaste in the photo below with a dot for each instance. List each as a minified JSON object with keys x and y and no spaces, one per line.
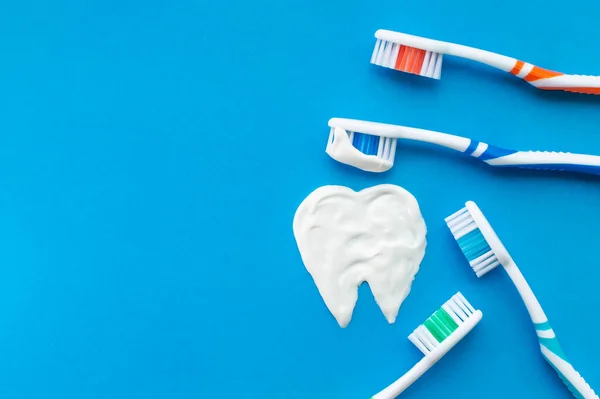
{"x":342,"y":150}
{"x":345,"y":238}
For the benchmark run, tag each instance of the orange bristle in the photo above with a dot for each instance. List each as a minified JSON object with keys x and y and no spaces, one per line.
{"x":407,"y":59}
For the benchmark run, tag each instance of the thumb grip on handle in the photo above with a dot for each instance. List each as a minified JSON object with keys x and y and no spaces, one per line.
{"x":584,"y":84}
{"x":555,"y":356}
{"x":583,"y":90}
{"x":587,"y":169}
{"x":586,"y":391}
{"x":547,"y":160}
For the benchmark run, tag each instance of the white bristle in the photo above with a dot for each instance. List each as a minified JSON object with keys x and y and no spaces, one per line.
{"x":458,"y":308}
{"x":465,"y":230}
{"x":483,"y":261}
{"x":393,"y":56}
{"x":380,"y":147}
{"x":413,"y":338}
{"x":466,"y":310}
{"x":426,"y":62}
{"x":392,"y":156}
{"x":488,"y":268}
{"x":380,"y":52}
{"x":386,"y":147}
{"x":457,"y":311}
{"x":462,"y":223}
{"x":386,"y":53}
{"x":437,"y":74}
{"x":430,"y":67}
{"x":463,"y":307}
{"x":462,"y":298}
{"x":456,"y":214}
{"x":424,"y":337}
{"x":375,"y":51}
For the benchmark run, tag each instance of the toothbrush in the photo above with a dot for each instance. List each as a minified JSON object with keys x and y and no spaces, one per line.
{"x":371,"y":146}
{"x":484,"y":251}
{"x":421,"y":56}
{"x":435,"y":337}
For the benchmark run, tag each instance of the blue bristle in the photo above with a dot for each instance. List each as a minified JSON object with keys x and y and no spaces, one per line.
{"x":473,"y":245}
{"x":366,"y":143}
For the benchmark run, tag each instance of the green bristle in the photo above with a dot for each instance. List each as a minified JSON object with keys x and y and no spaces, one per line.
{"x":440,"y":325}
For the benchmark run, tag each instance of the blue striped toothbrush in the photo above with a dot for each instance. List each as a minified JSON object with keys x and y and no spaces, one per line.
{"x":371,"y":146}
{"x":484,"y":251}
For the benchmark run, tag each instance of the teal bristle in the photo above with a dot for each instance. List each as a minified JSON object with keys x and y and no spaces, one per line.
{"x":442,"y":324}
{"x":471,"y":240}
{"x":473,"y":245}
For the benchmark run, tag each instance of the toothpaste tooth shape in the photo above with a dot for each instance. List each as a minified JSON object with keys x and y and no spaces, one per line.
{"x":345,"y":238}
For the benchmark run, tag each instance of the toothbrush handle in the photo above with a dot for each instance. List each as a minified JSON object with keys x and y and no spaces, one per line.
{"x":574,"y":83}
{"x":550,"y":80}
{"x":540,"y":78}
{"x":549,"y":345}
{"x":402,"y":383}
{"x":541,"y":160}
{"x":554,"y":355}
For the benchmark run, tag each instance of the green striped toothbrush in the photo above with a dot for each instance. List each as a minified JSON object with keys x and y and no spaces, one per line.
{"x":484,"y":251}
{"x":435,"y":337}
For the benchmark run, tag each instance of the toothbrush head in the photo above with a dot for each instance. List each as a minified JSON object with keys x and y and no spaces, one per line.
{"x":351,"y":143}
{"x":477,"y":240}
{"x":407,"y":53}
{"x":446,"y":327}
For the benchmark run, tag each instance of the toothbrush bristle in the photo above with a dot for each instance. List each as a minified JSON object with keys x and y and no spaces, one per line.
{"x":368,"y":144}
{"x":472,"y":243}
{"x":441,"y":324}
{"x":407,"y":59}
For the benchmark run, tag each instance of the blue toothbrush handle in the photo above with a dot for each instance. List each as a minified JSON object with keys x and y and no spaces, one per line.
{"x":555,"y":356}
{"x":549,"y":345}
{"x":541,"y":160}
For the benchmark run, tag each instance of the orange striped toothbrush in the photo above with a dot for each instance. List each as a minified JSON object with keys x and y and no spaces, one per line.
{"x":421,"y":56}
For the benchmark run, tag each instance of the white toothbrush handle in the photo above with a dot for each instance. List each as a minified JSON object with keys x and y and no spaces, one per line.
{"x":500,"y":157}
{"x":538,"y":77}
{"x":549,"y":345}
{"x":402,"y":383}
{"x":546,"y":160}
{"x":575,"y":83}
{"x":437,"y":46}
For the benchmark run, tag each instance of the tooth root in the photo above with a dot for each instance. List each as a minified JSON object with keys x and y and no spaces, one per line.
{"x":340,"y":301}
{"x":389,"y":300}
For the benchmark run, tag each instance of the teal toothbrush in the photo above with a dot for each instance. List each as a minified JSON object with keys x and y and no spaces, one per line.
{"x":435,"y":337}
{"x":484,"y":251}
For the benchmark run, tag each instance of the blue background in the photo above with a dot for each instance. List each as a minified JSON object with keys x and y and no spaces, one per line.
{"x":152,"y":156}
